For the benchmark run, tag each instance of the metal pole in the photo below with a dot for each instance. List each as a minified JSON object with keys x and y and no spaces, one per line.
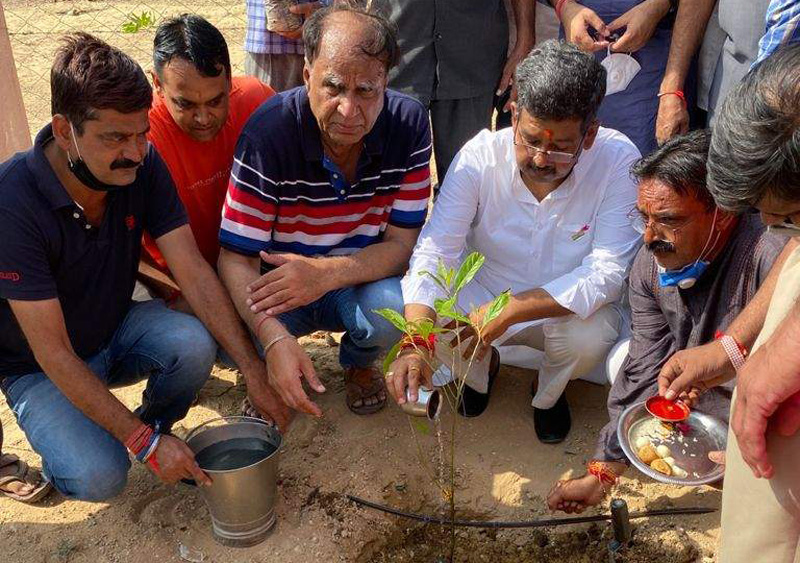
{"x":621,"y":522}
{"x":15,"y":134}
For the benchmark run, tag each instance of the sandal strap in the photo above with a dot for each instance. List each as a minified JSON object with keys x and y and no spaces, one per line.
{"x":8,"y":459}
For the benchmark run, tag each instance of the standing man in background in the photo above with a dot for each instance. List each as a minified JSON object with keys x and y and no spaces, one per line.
{"x":453,"y":58}
{"x":275,"y":58}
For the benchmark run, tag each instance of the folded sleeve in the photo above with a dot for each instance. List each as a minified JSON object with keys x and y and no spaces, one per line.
{"x":444,"y":236}
{"x":600,"y":278}
{"x":251,"y":203}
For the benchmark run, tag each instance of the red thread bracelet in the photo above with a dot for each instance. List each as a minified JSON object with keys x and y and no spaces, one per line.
{"x":258,"y":326}
{"x":678,"y":93}
{"x":559,"y":7}
{"x":603,"y":473}
{"x":414,"y":342}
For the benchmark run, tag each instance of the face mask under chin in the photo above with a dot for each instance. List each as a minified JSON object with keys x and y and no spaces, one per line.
{"x":81,"y":171}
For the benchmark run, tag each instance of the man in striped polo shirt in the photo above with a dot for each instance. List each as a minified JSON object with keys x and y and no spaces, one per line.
{"x":329,"y":189}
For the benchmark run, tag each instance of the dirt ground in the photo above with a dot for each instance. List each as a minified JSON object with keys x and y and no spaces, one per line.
{"x":35,"y":25}
{"x":504,"y":474}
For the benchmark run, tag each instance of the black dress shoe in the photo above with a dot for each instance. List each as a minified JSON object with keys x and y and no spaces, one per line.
{"x":553,"y":424}
{"x":472,"y":402}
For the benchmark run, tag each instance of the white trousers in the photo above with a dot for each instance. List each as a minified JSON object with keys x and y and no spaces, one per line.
{"x":571,"y":348}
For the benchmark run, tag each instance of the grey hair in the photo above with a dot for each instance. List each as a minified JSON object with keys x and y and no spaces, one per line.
{"x":755,"y":144}
{"x":557,"y":81}
{"x":380,"y":39}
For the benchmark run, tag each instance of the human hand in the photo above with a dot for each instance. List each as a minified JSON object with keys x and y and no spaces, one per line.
{"x":640,"y":23}
{"x":304,"y":10}
{"x":673,"y":118}
{"x":717,"y":457}
{"x":489,"y":332}
{"x":519,"y":52}
{"x":175,"y":461}
{"x":287,"y":365}
{"x":296,"y":281}
{"x":768,"y":384}
{"x":266,"y":401}
{"x":577,"y":20}
{"x":576,"y":495}
{"x":410,"y":369}
{"x":689,"y":373}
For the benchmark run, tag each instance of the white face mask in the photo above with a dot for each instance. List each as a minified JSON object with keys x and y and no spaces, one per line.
{"x":620,"y":70}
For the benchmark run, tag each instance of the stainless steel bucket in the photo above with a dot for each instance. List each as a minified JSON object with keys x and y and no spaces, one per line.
{"x":241,"y":501}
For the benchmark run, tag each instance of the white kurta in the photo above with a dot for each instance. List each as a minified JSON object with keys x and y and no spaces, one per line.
{"x":577,"y":243}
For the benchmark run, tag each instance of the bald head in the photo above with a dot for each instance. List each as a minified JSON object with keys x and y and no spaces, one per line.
{"x":347,"y":31}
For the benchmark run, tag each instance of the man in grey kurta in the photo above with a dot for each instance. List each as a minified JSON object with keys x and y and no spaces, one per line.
{"x":665,"y":320}
{"x":452,"y":56}
{"x":696,"y":272}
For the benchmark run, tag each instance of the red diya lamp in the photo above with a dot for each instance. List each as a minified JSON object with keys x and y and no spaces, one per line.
{"x":666,"y":410}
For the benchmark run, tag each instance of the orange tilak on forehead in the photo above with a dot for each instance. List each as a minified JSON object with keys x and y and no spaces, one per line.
{"x":549,"y":134}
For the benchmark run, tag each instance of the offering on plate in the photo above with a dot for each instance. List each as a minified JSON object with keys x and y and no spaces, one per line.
{"x":666,"y":410}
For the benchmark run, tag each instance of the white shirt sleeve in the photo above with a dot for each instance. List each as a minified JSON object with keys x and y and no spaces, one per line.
{"x":600,"y":278}
{"x":444,"y":236}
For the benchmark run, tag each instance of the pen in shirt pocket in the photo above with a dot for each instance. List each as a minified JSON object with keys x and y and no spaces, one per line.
{"x":580,"y":232}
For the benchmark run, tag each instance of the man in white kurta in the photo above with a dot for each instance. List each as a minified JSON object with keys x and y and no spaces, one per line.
{"x":547,"y":203}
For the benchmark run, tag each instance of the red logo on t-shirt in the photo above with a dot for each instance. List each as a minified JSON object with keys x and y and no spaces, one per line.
{"x":12,"y":276}
{"x":130,"y":222}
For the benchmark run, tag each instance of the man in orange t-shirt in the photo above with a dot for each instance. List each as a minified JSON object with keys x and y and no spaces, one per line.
{"x":195,"y":121}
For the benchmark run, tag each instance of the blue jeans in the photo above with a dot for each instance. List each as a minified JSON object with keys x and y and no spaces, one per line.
{"x":173,"y":351}
{"x":350,"y":310}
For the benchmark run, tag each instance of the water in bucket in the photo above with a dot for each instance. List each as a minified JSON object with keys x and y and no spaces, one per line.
{"x":233,"y":454}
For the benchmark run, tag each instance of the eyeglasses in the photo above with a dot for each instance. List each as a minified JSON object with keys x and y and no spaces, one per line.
{"x":640,"y":221}
{"x":786,"y":229}
{"x":554,"y":157}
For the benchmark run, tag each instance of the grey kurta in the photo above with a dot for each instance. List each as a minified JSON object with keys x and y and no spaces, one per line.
{"x":665,"y":320}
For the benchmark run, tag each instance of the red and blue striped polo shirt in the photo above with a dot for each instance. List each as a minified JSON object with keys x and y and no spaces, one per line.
{"x":285,"y":195}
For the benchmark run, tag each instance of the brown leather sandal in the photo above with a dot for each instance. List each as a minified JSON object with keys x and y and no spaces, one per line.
{"x":358,"y":389}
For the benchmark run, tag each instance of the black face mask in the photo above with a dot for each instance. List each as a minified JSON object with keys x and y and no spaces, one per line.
{"x":81,"y":171}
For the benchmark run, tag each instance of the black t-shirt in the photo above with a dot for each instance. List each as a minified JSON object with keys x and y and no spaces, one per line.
{"x":48,"y":250}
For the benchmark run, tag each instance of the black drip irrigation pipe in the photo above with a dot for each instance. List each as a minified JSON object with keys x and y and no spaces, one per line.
{"x":547,"y":522}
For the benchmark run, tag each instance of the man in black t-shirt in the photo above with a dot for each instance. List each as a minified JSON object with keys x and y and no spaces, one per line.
{"x":72,"y":213}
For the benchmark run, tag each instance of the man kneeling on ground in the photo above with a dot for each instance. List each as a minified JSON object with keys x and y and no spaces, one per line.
{"x":545,"y":202}
{"x":198,"y":112}
{"x":698,"y":269}
{"x":73,"y":210}
{"x":329,"y":189}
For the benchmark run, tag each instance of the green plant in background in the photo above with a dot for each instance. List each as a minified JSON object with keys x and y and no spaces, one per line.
{"x":138,"y":22}
{"x":452,"y":281}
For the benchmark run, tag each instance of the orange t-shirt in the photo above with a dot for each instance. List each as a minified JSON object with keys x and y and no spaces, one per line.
{"x":201,"y":170}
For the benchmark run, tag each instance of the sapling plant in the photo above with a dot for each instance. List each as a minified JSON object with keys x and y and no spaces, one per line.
{"x":447,"y":330}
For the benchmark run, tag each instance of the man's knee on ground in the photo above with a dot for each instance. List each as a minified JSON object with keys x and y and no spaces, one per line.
{"x":102,"y":479}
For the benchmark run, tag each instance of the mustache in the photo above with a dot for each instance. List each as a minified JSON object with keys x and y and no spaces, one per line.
{"x":660,"y":247}
{"x":125,"y":163}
